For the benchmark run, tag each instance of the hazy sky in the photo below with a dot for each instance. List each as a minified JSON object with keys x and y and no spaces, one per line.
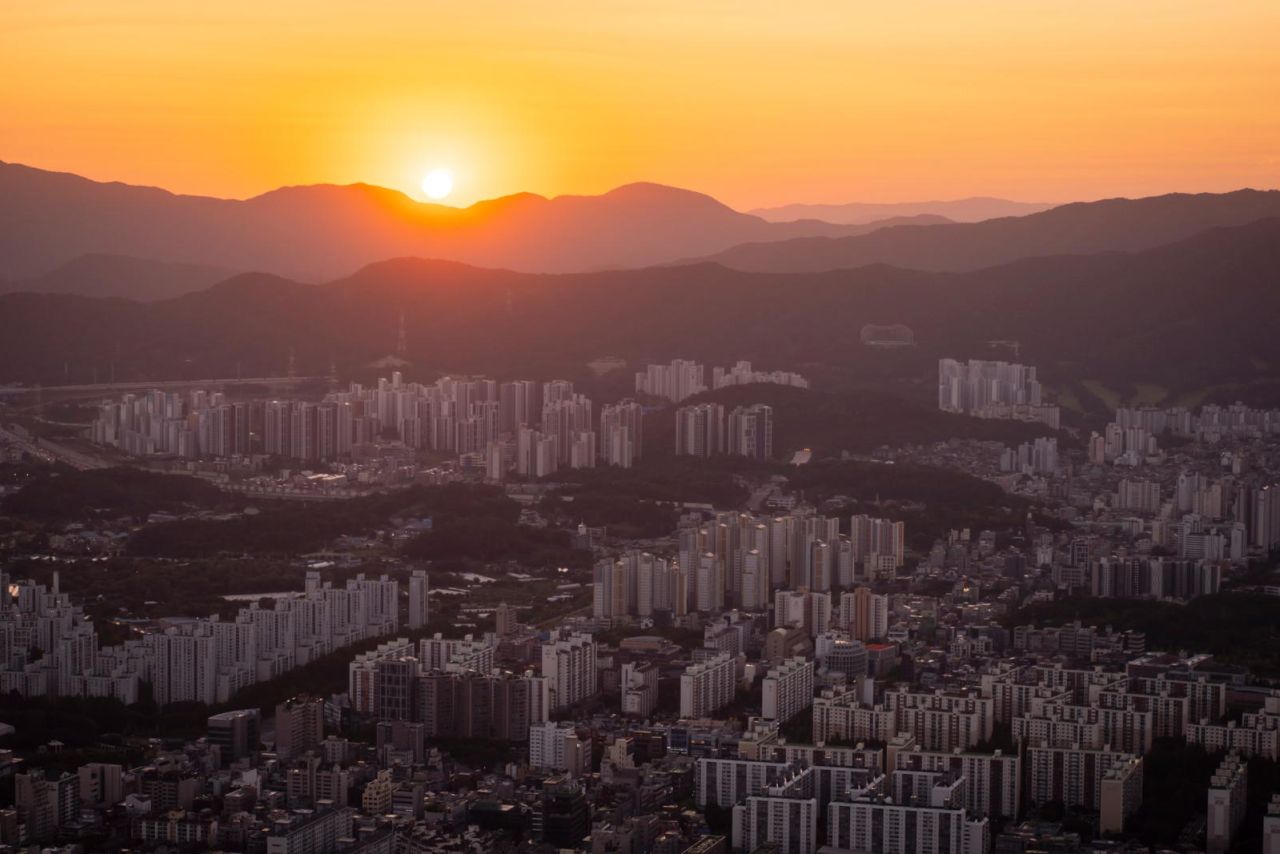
{"x":754,"y":102}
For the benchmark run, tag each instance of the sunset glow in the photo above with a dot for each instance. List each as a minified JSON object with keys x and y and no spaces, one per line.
{"x":437,"y":184}
{"x":753,"y":103}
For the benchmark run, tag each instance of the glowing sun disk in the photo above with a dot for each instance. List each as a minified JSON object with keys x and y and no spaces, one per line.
{"x":437,"y":183}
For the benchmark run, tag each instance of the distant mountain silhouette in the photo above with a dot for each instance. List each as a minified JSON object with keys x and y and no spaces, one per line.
{"x":1081,"y":228}
{"x":1196,"y":314}
{"x":319,"y":232}
{"x":973,"y":209}
{"x":105,"y":275}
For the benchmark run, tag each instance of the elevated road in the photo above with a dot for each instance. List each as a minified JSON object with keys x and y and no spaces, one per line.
{"x":57,"y":390}
{"x":52,"y":451}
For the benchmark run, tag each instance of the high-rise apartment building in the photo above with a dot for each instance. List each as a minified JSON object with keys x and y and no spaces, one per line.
{"x":504,"y":620}
{"x":993,"y":389}
{"x":931,"y":820}
{"x":537,"y":453}
{"x":993,"y":781}
{"x":1264,"y":532}
{"x":634,"y":584}
{"x":419,"y":596}
{"x":749,"y":432}
{"x":101,"y":784}
{"x":864,"y":615}
{"x":787,"y":690}
{"x":568,"y":419}
{"x":569,"y":668}
{"x":1226,"y":803}
{"x":639,"y":688}
{"x":743,"y":374}
{"x":676,"y":381}
{"x":871,"y":537}
{"x":1142,"y":496}
{"x":299,"y":726}
{"x":1271,"y":827}
{"x":977,"y":384}
{"x":1073,"y":775}
{"x":620,"y":433}
{"x":783,"y":815}
{"x":707,"y":686}
{"x":700,"y":430}
{"x":557,"y":747}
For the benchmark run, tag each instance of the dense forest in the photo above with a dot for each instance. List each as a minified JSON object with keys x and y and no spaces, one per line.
{"x":61,"y":494}
{"x":644,"y":501}
{"x":1238,"y":628}
{"x":487,"y":539}
{"x":290,"y":528}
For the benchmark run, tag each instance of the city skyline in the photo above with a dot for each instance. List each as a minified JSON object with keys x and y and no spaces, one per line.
{"x":640,"y":428}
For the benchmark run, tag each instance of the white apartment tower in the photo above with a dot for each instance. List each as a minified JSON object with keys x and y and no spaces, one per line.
{"x":750,"y":432}
{"x":681,"y":379}
{"x":1226,"y":803}
{"x":569,"y":668}
{"x":620,"y":435}
{"x":787,"y":690}
{"x":707,"y":686}
{"x":700,"y":430}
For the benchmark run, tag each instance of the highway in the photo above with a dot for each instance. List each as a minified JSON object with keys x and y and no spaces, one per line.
{"x":53,"y":452}
{"x":150,"y":384}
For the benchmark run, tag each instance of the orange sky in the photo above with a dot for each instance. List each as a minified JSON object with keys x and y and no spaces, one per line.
{"x":754,"y":102}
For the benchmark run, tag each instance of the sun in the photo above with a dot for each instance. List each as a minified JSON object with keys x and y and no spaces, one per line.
{"x":437,"y":183}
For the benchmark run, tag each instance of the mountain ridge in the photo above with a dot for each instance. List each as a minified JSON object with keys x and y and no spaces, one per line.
{"x":1119,"y":316}
{"x":1075,"y":228}
{"x":970,"y":209}
{"x":319,"y":232}
{"x":103,"y":274}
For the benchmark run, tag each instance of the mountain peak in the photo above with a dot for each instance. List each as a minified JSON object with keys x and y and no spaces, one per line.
{"x":651,"y":192}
